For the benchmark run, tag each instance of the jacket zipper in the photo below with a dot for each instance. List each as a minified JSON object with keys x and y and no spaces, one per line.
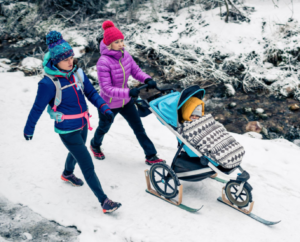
{"x":77,"y":96}
{"x":123,"y":73}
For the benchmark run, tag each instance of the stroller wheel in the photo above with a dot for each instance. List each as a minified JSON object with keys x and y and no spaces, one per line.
{"x":243,"y":199}
{"x":164,"y":180}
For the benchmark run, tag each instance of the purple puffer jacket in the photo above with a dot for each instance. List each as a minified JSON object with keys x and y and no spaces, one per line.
{"x":114,"y":68}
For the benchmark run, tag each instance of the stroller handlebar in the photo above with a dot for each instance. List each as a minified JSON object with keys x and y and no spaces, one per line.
{"x":158,"y":89}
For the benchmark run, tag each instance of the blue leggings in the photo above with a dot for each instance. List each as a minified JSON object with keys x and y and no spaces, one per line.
{"x":130,"y":113}
{"x":78,"y":153}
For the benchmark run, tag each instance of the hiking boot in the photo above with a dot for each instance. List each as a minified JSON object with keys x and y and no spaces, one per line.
{"x":153,"y":160}
{"x":98,"y":154}
{"x":72,"y":179}
{"x":109,"y":206}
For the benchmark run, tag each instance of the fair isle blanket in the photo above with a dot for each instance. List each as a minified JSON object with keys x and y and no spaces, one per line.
{"x":212,"y":140}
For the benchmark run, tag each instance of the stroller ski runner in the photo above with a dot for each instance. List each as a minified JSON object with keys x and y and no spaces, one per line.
{"x":189,"y":164}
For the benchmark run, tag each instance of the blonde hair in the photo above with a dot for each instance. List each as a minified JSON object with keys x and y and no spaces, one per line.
{"x":109,"y":46}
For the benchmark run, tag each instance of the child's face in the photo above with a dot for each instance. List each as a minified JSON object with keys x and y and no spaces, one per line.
{"x":118,"y":44}
{"x":66,"y":64}
{"x":194,"y":117}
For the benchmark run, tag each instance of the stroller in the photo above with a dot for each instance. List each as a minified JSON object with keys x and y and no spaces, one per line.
{"x":189,"y":164}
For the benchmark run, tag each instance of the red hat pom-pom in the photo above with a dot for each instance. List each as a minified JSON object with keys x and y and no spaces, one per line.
{"x":107,"y":24}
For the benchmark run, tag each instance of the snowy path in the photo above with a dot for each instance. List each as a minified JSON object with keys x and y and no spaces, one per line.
{"x":30,"y":174}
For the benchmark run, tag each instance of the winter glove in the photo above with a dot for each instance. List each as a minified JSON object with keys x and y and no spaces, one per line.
{"x":151,"y":83}
{"x":107,"y":112}
{"x":134,"y":92}
{"x":28,"y":137}
{"x":109,"y":115}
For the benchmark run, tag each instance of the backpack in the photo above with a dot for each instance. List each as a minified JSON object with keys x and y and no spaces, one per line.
{"x":79,"y":79}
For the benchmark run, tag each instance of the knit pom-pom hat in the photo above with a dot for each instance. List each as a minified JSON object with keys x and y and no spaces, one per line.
{"x":59,"y":49}
{"x":111,"y":33}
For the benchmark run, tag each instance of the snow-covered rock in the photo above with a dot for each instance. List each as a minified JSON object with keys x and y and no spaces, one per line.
{"x":27,"y":236}
{"x":4,"y":67}
{"x":229,"y":90}
{"x":259,"y":110}
{"x":297,"y":142}
{"x":31,"y":63}
{"x":286,"y":87}
{"x":132,"y":82}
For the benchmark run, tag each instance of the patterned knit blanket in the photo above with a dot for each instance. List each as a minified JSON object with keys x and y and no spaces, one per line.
{"x":212,"y":140}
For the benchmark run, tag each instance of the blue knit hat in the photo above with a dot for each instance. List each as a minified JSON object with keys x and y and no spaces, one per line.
{"x":59,"y":49}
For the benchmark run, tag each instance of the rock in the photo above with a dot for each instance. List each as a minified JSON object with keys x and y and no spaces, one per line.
{"x":214,"y":103}
{"x":31,"y":63}
{"x":232,"y":105}
{"x":229,"y":90}
{"x":253,"y":82}
{"x":271,"y":78}
{"x":254,"y":126}
{"x":220,"y":117}
{"x":294,"y":107}
{"x":5,"y":61}
{"x":286,"y":87}
{"x":265,"y":132}
{"x":247,"y":110}
{"x":297,"y":142}
{"x":253,"y":135}
{"x":297,"y":95}
{"x":276,"y":129}
{"x":268,"y":65}
{"x":273,"y":135}
{"x":4,"y":67}
{"x":132,"y":82}
{"x":263,"y":116}
{"x":259,"y":110}
{"x":233,"y":68}
{"x":27,"y":236}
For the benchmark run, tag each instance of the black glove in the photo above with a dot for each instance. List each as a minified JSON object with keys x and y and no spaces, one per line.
{"x":134,"y":92}
{"x":151,"y":83}
{"x":28,"y":137}
{"x":109,"y":115}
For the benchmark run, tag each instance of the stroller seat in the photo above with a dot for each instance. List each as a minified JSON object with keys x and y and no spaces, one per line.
{"x":190,"y":168}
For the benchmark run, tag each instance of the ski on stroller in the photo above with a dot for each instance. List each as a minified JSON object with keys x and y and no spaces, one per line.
{"x":182,"y":206}
{"x":251,"y":215}
{"x":172,"y":201}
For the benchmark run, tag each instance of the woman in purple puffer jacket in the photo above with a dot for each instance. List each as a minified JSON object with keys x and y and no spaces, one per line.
{"x":114,"y":67}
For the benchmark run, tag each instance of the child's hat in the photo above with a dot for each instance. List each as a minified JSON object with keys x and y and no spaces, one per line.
{"x":59,"y":48}
{"x":197,"y":111}
{"x":111,"y":33}
{"x":190,"y":107}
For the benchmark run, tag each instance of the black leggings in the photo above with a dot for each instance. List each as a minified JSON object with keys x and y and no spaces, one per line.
{"x":130,"y":113}
{"x":78,"y":153}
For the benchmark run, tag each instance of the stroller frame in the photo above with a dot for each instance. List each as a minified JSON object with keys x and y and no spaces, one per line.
{"x":212,"y":167}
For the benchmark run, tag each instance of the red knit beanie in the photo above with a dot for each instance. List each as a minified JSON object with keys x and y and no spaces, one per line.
{"x":111,"y":33}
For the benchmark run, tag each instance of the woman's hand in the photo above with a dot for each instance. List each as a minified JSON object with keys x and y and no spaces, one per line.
{"x":134,"y":92}
{"x":109,"y":115}
{"x":107,"y":112}
{"x":150,"y":83}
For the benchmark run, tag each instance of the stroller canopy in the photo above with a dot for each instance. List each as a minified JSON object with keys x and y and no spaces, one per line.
{"x":167,"y":106}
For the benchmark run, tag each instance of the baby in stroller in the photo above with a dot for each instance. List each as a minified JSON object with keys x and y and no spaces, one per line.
{"x":208,"y":136}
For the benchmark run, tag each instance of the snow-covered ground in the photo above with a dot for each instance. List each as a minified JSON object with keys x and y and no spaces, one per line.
{"x":30,"y":174}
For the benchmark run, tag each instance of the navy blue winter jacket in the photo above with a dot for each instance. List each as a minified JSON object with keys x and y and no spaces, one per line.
{"x":73,"y":102}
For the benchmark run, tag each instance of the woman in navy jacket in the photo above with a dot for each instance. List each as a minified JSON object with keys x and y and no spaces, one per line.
{"x":70,"y":111}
